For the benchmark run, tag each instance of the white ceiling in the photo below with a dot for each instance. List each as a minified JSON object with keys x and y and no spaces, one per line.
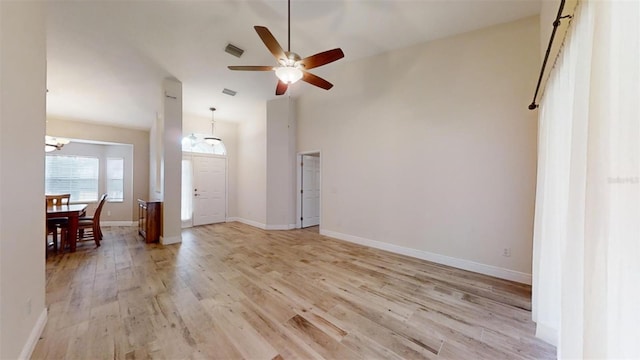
{"x":106,"y":59}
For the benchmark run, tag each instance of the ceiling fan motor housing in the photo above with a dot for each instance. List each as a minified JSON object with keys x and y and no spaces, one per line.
{"x":292,"y":59}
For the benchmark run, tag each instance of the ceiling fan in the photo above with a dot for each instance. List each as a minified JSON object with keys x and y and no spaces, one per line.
{"x":291,"y":66}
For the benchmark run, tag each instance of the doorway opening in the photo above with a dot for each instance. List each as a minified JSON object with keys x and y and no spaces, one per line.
{"x":204,"y":189}
{"x":309,"y":202}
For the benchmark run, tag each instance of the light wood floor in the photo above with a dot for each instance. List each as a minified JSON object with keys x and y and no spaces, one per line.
{"x":232,"y":291}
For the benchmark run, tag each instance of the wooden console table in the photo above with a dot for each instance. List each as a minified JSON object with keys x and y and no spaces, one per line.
{"x":149,"y":220}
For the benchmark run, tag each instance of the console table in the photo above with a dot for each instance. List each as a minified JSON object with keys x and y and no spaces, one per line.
{"x":149,"y":220}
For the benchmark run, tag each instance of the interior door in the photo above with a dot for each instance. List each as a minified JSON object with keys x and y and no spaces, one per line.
{"x":209,"y":190}
{"x":310,"y":190}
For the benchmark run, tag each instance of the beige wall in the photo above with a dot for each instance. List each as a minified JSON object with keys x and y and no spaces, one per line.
{"x":281,"y":144}
{"x":171,"y":138}
{"x":22,"y":122}
{"x":156,"y":187}
{"x":96,"y":132}
{"x":431,"y":150}
{"x":228,"y":132}
{"x":252,"y":168}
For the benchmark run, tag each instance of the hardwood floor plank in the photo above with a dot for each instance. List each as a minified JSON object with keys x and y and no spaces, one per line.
{"x":244,"y":337}
{"x":104,"y":331}
{"x":324,"y":344}
{"x":279,"y":336}
{"x":521,"y":346}
{"x":53,"y":343}
{"x":404,"y":346}
{"x":368,"y":348}
{"x":232,"y":291}
{"x":268,"y":301}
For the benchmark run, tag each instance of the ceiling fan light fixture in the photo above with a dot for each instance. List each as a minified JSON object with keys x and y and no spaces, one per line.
{"x":288,"y":74}
{"x":291,"y":66}
{"x":51,"y":143}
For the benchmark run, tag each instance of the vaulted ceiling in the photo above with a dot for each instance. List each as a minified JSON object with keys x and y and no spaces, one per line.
{"x":106,"y":59}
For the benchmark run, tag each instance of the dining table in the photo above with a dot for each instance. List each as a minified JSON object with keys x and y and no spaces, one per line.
{"x":73,"y":212}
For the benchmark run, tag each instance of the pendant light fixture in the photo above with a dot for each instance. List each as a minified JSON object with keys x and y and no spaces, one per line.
{"x":212,"y":140}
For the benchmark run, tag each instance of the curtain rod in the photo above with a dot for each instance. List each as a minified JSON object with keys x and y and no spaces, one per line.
{"x":556,"y":23}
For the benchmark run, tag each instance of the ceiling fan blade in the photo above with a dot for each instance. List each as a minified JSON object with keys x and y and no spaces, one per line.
{"x":281,"y":88}
{"x":251,"y":68}
{"x":316,"y":80}
{"x":270,"y":41}
{"x":322,"y":58}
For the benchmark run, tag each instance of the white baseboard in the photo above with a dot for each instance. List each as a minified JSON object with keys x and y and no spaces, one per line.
{"x":281,"y":227}
{"x":170,"y":240}
{"x":261,"y":225}
{"x":547,"y":334}
{"x":436,"y":258}
{"x":463,"y":264}
{"x":118,"y":223}
{"x":248,"y":222}
{"x":34,"y":336}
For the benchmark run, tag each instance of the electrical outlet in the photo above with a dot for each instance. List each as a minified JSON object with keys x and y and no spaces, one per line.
{"x":28,"y":306}
{"x":506,"y":252}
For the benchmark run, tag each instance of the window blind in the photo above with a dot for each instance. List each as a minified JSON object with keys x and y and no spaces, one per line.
{"x":75,"y":175}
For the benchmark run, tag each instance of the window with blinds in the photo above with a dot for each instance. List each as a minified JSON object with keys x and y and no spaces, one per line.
{"x":75,"y":175}
{"x":115,"y":179}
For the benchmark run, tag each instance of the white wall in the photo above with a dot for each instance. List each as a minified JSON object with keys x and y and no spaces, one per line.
{"x":228,"y":132}
{"x":281,"y":143}
{"x":172,"y":162}
{"x":139,"y":139}
{"x":112,"y":211}
{"x":431,"y":150}
{"x":252,"y":168}
{"x":22,"y":123}
{"x":156,"y":186}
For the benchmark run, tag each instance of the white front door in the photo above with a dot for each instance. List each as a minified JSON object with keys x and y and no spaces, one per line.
{"x":209,"y":190}
{"x":310,"y":190}
{"x":186,"y":212}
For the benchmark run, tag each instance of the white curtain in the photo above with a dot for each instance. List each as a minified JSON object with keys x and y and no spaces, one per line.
{"x":586,"y":266}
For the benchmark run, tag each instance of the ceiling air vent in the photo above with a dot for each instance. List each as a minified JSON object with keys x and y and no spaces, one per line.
{"x":234,"y":50}
{"x":229,"y":92}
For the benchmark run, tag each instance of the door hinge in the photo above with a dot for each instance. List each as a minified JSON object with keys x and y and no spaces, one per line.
{"x":301,"y":164}
{"x":301,"y":191}
{"x":300,"y":219}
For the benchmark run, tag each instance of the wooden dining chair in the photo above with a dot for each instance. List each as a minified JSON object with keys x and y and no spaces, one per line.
{"x":60,"y":224}
{"x":60,"y":199}
{"x":92,"y":223}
